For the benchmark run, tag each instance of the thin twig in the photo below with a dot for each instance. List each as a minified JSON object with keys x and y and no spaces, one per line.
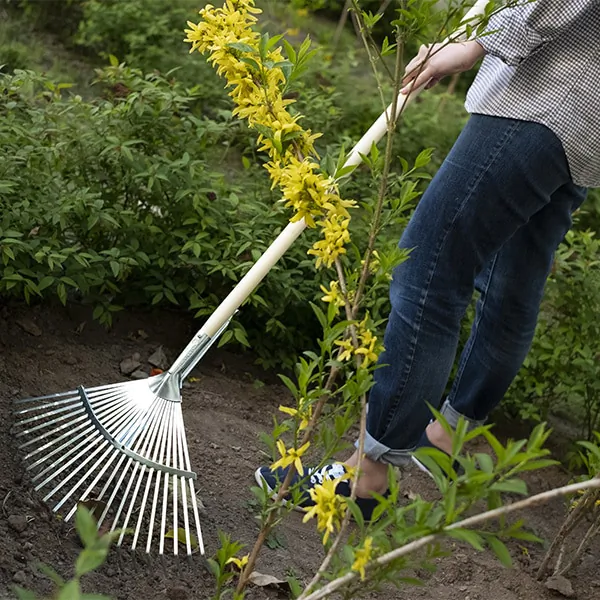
{"x":592,"y":532}
{"x":334,"y":546}
{"x":269,"y":523}
{"x":391,"y":123}
{"x":490,"y":515}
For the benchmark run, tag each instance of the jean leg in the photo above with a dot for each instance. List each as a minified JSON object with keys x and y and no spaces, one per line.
{"x":511,"y":287}
{"x":499,"y":174}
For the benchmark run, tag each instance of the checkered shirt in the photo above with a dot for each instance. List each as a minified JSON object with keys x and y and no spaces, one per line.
{"x":543,"y":65}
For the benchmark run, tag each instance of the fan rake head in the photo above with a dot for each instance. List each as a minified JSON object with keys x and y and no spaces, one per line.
{"x":122,"y":448}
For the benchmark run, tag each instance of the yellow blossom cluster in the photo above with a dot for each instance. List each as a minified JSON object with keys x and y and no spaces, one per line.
{"x":367,"y":347}
{"x":329,"y":507}
{"x":362,"y":557}
{"x":255,"y":72}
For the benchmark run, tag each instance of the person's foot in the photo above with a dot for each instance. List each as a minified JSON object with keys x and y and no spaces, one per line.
{"x":435,"y":436}
{"x":265,"y":477}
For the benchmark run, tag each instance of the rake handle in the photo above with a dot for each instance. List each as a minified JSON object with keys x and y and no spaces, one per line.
{"x":286,"y":238}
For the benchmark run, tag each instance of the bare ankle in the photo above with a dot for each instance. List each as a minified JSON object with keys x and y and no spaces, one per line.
{"x":372,"y":477}
{"x":439,"y":437}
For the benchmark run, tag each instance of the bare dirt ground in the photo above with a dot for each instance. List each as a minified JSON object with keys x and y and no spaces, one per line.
{"x":46,"y":350}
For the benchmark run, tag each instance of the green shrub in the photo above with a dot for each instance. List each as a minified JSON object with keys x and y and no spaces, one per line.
{"x":116,"y":202}
{"x":560,"y":375}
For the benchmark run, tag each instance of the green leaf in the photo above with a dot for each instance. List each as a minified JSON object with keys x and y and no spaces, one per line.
{"x":23,"y":594}
{"x":356,"y":513}
{"x":71,"y":591}
{"x":485,"y":462}
{"x":181,"y":537}
{"x":512,"y":486}
{"x":241,"y":47}
{"x":90,"y":559}
{"x":500,"y":550}
{"x":86,"y":526}
{"x":468,"y":536}
{"x":49,"y":572}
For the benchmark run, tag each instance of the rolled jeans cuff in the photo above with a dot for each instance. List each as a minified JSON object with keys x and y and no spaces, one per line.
{"x":453,"y":417}
{"x":380,"y":452}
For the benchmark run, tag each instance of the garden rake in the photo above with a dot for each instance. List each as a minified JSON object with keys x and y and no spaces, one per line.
{"x":121,"y":448}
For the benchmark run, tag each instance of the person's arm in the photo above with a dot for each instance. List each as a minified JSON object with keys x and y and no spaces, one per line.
{"x":516,"y":33}
{"x":519,"y":31}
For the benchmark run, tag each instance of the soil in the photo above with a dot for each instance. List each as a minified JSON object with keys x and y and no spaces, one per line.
{"x":49,"y":349}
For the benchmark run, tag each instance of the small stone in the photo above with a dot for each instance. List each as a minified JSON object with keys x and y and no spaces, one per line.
{"x":129,"y":365}
{"x":136,"y":356}
{"x":159,"y":359}
{"x":29,"y":327}
{"x":562,"y":585}
{"x":110,"y":572}
{"x":186,"y":385}
{"x":236,"y":448}
{"x":50,"y":352}
{"x":214,"y":446}
{"x":219,"y":461}
{"x":70,"y":360}
{"x":17,"y":523}
{"x":177,"y":592}
{"x":20,"y":577}
{"x":27,"y":546}
{"x":19,"y":557}
{"x":139,"y":374}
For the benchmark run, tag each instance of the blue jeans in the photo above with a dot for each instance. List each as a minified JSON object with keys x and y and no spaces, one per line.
{"x":491,"y":220}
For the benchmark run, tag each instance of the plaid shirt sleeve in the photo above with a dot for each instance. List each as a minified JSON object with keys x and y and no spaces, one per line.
{"x":519,"y":31}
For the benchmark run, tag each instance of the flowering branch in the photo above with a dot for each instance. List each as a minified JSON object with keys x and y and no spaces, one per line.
{"x":490,"y":515}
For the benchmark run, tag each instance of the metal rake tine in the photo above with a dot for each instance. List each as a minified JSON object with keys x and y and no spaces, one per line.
{"x":181,"y":465}
{"x":62,"y":427}
{"x":148,"y":480}
{"x":160,"y":457}
{"x":50,"y":413}
{"x":58,"y":440}
{"x":48,"y":397}
{"x":31,"y":409}
{"x":81,"y":480}
{"x":163,"y":521}
{"x":153,"y":426}
{"x":97,"y":440}
{"x":116,"y":488}
{"x":188,"y":467}
{"x":48,"y":423}
{"x":87,"y":474}
{"x":150,"y":419}
{"x":94,"y":482}
{"x":61,"y":460}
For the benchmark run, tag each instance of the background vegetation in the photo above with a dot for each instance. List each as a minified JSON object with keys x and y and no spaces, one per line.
{"x":125,"y":181}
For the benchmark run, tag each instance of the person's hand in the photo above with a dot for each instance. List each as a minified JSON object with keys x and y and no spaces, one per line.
{"x":438,"y":61}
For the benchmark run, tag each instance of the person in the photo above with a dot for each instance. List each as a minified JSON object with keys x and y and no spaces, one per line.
{"x":491,"y":220}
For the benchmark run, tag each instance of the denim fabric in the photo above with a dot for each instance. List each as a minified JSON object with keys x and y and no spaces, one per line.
{"x":491,"y":220}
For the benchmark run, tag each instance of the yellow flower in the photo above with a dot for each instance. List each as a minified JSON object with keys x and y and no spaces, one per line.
{"x":289,"y":457}
{"x":240,"y":563}
{"x":329,"y":507}
{"x":332,"y":295}
{"x":304,"y":415}
{"x":348,"y":349}
{"x":362,"y":557}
